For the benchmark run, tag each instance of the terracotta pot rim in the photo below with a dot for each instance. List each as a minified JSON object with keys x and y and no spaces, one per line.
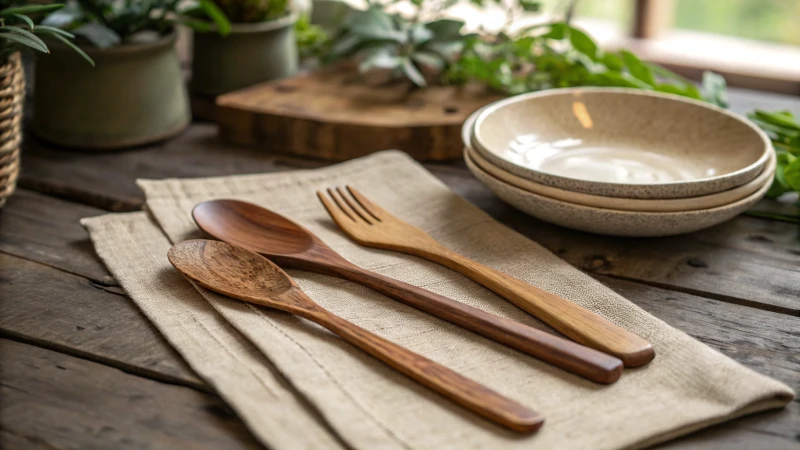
{"x":164,"y":41}
{"x":260,"y":27}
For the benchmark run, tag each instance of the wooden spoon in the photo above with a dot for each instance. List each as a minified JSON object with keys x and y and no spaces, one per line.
{"x":292,"y":246}
{"x":244,"y":275}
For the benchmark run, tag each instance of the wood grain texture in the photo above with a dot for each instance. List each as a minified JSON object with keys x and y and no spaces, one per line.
{"x":370,"y":225}
{"x":292,"y":246}
{"x":56,"y":401}
{"x":762,"y":340}
{"x":245,"y":275}
{"x":69,"y":313}
{"x":47,"y":230}
{"x":332,"y":114}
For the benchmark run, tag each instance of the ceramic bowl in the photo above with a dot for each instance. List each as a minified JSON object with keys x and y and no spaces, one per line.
{"x":610,"y":221}
{"x":629,"y":204}
{"x":615,"y":142}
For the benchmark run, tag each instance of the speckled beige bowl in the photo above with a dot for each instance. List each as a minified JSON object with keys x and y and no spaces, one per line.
{"x":610,"y":221}
{"x":617,"y":142}
{"x":629,"y":204}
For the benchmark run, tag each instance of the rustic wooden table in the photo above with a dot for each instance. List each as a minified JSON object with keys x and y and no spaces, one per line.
{"x":81,"y":367}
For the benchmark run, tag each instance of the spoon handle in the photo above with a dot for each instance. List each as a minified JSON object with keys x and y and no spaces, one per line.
{"x":563,"y":353}
{"x":465,"y":392}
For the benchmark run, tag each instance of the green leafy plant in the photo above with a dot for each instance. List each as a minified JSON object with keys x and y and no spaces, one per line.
{"x":18,"y":31}
{"x":107,"y":23}
{"x":247,"y":11}
{"x":312,"y":40}
{"x":395,"y":47}
{"x":557,"y":55}
{"x":784,"y":131}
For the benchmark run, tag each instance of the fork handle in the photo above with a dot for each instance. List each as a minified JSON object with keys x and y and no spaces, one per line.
{"x":462,"y":390}
{"x":569,"y":318}
{"x":563,"y":353}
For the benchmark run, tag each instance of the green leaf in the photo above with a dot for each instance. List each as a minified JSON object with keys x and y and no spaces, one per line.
{"x":31,"y":9}
{"x":217,"y":16}
{"x":346,"y":46}
{"x":74,"y":47}
{"x":665,"y":73}
{"x":531,"y":5}
{"x":380,"y":59}
{"x":375,"y":24}
{"x":24,"y":37}
{"x":621,"y":80}
{"x":637,"y":68}
{"x":63,"y":17}
{"x":777,"y":119}
{"x":52,"y":30}
{"x":413,"y":73}
{"x":428,"y":59}
{"x":99,"y":35}
{"x":25,"y":19}
{"x":791,"y":175}
{"x":445,"y":29}
{"x":583,"y":43}
{"x":557,"y":31}
{"x":420,"y":34}
{"x":714,"y":89}
{"x":612,"y":62}
{"x":198,"y":25}
{"x":449,"y":51}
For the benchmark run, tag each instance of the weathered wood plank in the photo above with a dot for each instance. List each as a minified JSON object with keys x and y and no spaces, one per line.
{"x":746,"y":260}
{"x":45,"y":229}
{"x":54,"y":400}
{"x":764,"y":341}
{"x":69,"y":313}
{"x":107,"y":179}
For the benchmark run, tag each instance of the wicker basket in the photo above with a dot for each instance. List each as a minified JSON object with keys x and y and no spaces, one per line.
{"x":12,"y":96}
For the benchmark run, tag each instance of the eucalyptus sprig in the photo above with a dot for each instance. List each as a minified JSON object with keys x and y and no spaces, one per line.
{"x":18,"y":31}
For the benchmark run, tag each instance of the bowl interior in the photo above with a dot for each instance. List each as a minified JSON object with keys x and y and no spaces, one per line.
{"x":619,"y":137}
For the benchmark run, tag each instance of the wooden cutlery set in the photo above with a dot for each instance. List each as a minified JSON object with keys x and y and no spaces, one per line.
{"x":238,"y":267}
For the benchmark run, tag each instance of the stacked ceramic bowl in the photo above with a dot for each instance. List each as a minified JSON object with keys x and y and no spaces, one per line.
{"x":621,"y":162}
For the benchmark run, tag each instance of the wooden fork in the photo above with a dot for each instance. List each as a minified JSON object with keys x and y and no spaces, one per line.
{"x":372,"y":226}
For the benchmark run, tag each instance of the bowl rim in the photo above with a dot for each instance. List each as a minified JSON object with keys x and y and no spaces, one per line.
{"x":764,"y":176}
{"x":756,"y":195}
{"x":493,"y":107}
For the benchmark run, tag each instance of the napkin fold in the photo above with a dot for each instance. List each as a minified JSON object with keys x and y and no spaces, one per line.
{"x":297,"y":385}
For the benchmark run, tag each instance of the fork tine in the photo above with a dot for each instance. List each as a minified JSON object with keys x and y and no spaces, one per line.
{"x":353,"y":203}
{"x":340,"y":217}
{"x":376,"y":211}
{"x":344,"y":206}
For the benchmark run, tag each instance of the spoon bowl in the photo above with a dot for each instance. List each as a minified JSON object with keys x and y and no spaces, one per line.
{"x":250,"y":226}
{"x":230,"y":271}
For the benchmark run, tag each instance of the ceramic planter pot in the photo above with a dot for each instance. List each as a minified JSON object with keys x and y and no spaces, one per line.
{"x":250,"y":54}
{"x":134,"y":95}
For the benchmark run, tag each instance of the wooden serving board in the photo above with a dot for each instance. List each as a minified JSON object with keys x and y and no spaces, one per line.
{"x":332,"y":114}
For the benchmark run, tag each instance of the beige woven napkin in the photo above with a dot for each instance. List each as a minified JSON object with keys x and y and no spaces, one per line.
{"x":688,"y":386}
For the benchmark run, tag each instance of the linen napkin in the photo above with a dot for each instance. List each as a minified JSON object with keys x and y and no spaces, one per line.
{"x":688,"y":386}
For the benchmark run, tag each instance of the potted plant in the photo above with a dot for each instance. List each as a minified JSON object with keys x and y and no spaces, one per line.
{"x":134,"y":95}
{"x":18,"y":32}
{"x":260,"y":45}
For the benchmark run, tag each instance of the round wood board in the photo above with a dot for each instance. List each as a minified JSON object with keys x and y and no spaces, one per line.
{"x":332,"y":114}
